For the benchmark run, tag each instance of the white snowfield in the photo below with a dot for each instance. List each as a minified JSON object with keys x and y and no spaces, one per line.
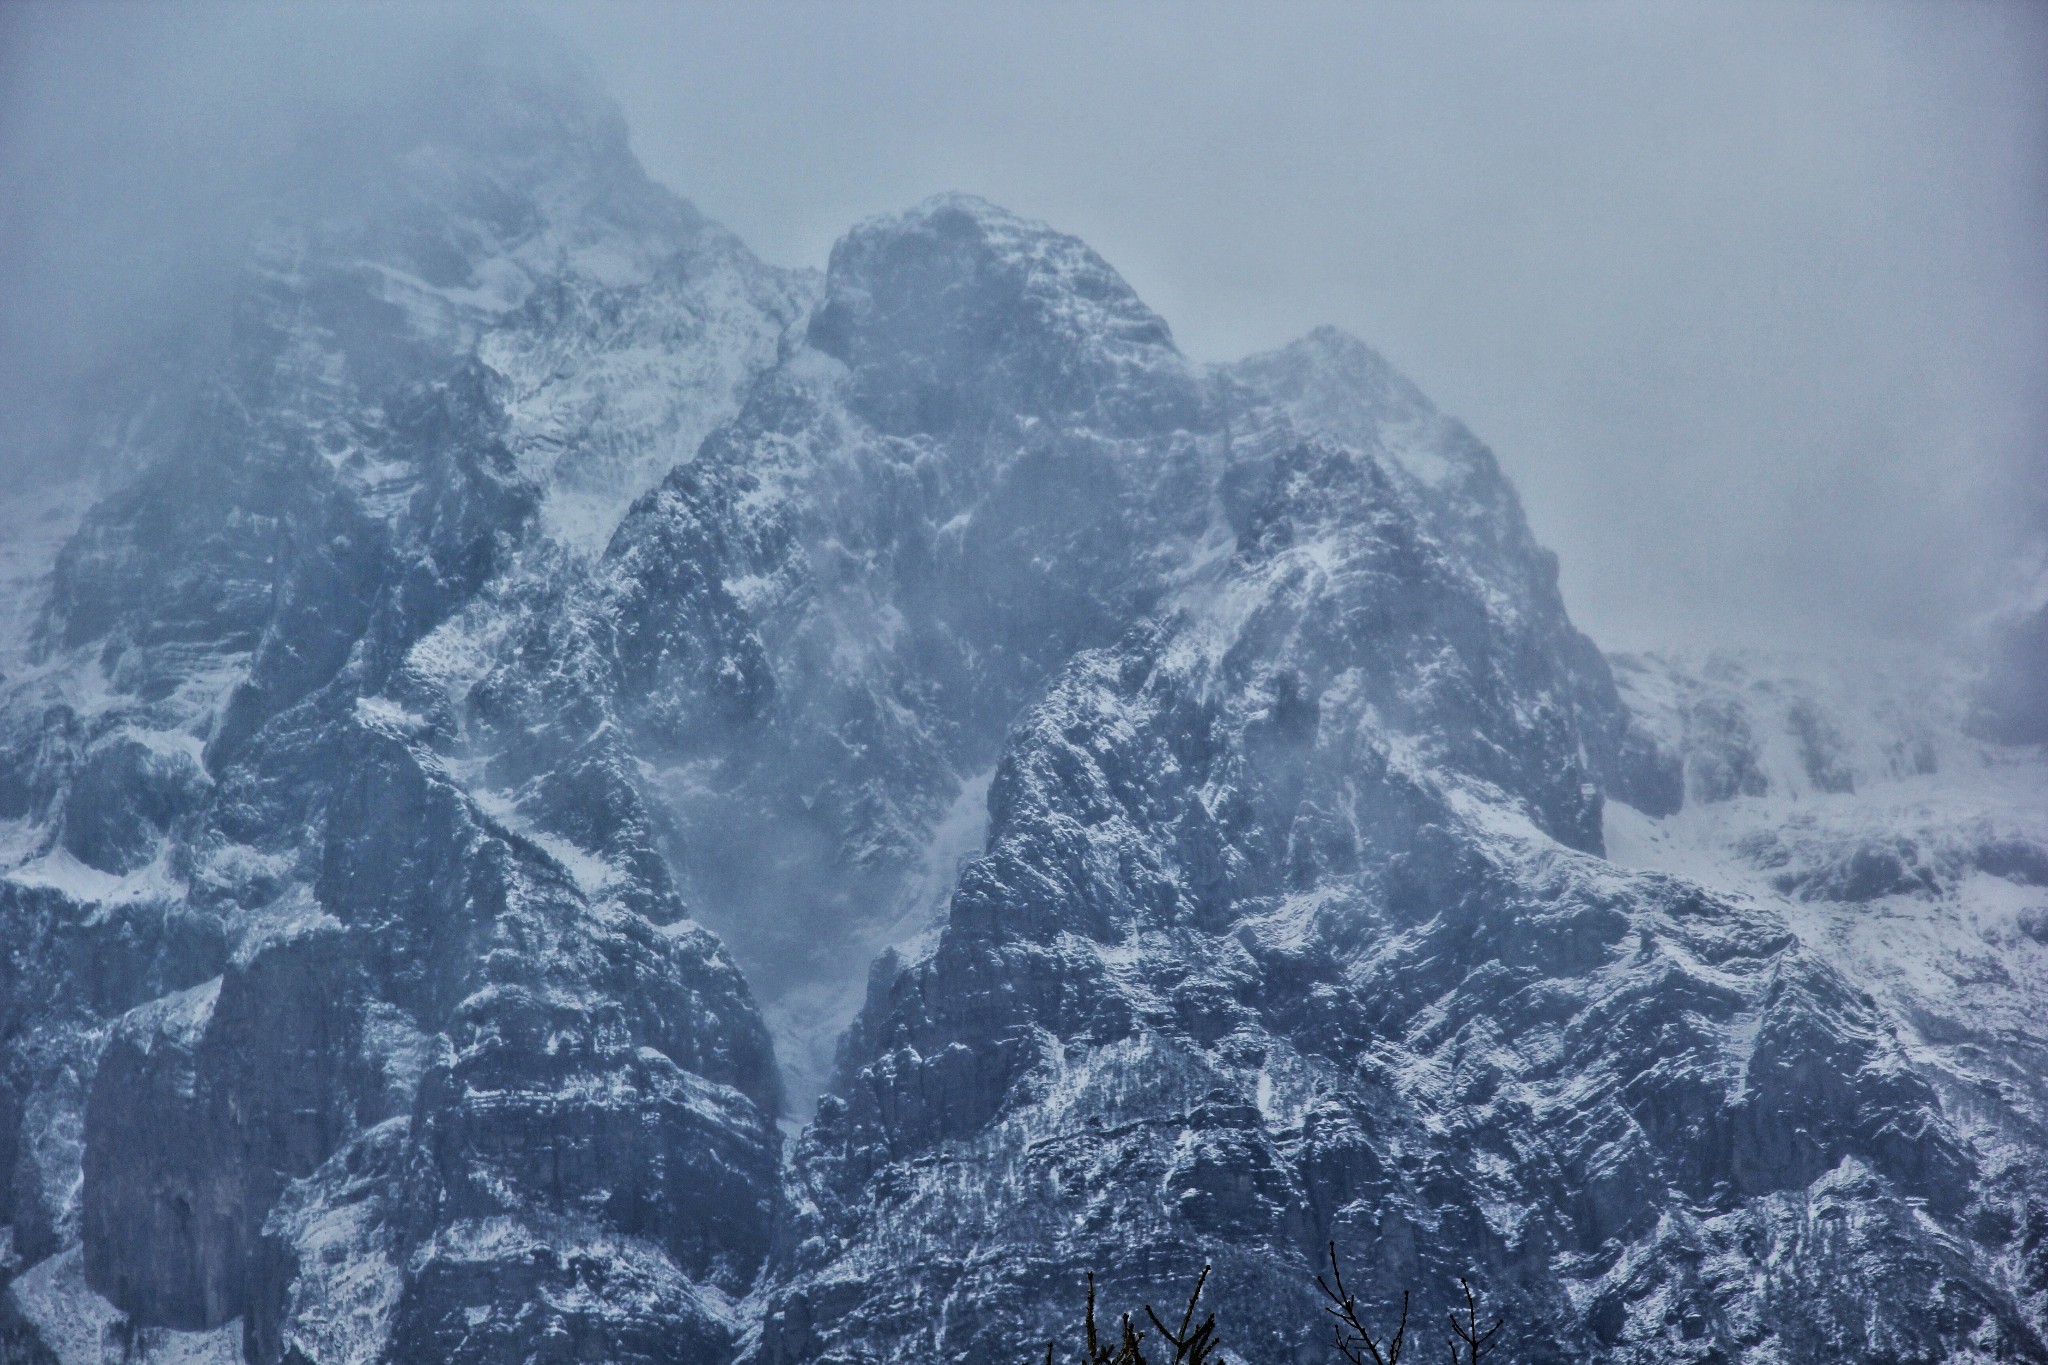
{"x":600,"y":696}
{"x":1904,"y":851}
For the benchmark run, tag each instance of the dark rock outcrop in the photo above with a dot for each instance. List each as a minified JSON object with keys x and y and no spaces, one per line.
{"x":270,"y":939}
{"x":525,"y":593}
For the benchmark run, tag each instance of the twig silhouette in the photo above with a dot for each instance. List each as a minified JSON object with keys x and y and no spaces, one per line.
{"x":1351,"y":1331}
{"x":1192,"y":1344}
{"x":1475,"y":1342}
{"x":1189,"y":1347}
{"x":1129,"y":1351}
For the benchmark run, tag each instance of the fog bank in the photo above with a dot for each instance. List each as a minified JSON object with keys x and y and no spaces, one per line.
{"x":1751,"y":300}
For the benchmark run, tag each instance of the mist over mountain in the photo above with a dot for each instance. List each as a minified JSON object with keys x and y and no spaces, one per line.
{"x":567,"y":793}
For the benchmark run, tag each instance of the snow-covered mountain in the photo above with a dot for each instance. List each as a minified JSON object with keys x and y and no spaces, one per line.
{"x":1862,"y":801}
{"x":568,"y":794}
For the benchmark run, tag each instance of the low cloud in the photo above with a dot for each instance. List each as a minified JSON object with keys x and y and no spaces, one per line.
{"x":1750,"y":300}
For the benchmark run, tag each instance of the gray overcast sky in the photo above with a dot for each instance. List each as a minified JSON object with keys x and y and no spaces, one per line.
{"x":1751,"y":301}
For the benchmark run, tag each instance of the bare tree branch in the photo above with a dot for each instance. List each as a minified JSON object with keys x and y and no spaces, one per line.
{"x":1196,"y":1344}
{"x":1351,"y":1331}
{"x":1189,"y":1347}
{"x":1475,"y":1341}
{"x":1098,"y":1354}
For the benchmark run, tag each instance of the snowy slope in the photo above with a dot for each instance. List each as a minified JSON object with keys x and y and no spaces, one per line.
{"x":1292,"y":926}
{"x":448,"y":369}
{"x":567,"y":794}
{"x":1850,"y":796}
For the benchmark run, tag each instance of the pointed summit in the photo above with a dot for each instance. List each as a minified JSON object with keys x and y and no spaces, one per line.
{"x":1336,"y":384}
{"x":958,"y":310}
{"x":490,"y":141}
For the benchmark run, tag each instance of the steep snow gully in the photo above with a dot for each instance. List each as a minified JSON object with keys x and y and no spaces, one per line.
{"x":566,"y":794}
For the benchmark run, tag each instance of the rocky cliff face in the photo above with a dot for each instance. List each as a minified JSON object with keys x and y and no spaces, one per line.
{"x":1860,"y":801}
{"x":536,"y":631}
{"x":1291,"y":928}
{"x":421,"y":1063}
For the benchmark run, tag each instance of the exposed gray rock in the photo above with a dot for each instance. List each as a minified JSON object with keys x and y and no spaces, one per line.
{"x":214,"y":783}
{"x":1241,"y":972}
{"x":1913,"y":877}
{"x":125,"y":797}
{"x":204,"y":1107}
{"x":1182,"y":786}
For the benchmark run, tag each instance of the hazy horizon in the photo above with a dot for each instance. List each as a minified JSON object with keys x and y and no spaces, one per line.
{"x":1750,"y":301}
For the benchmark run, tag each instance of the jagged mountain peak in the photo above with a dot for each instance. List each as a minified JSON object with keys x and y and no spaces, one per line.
{"x":1335,"y":385}
{"x":1205,"y":751}
{"x":963,"y":235}
{"x":471,"y":205}
{"x":959,"y":312}
{"x":1343,"y":382}
{"x":513,"y":105}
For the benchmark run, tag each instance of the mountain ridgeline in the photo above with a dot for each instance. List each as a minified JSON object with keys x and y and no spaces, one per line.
{"x":567,"y":794}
